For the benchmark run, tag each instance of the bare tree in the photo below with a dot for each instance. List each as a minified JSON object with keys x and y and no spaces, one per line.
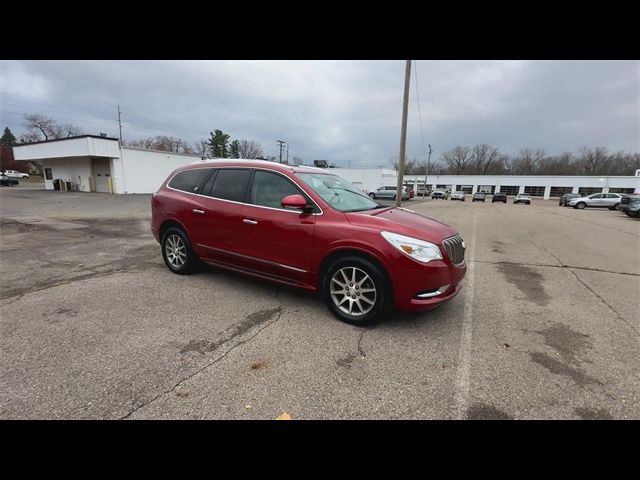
{"x":485,"y":159}
{"x":37,"y":123}
{"x":592,"y":159}
{"x":249,"y":149}
{"x":39,"y":126}
{"x":409,"y":165}
{"x":201,"y":148}
{"x":457,"y":159}
{"x":527,"y":161}
{"x":163,"y":143}
{"x":66,"y":130}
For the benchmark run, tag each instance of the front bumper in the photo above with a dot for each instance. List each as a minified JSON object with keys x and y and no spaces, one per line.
{"x":414,"y":282}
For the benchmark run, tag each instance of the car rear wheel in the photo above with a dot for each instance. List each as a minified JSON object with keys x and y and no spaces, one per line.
{"x":356,"y":291}
{"x":177,"y":252}
{"x":580,"y":205}
{"x":614,"y":206}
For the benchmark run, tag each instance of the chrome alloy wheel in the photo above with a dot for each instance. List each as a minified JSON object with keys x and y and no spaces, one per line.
{"x":176,"y":251}
{"x":353,"y":291}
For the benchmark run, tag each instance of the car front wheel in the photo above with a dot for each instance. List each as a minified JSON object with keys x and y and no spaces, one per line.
{"x":356,"y":291}
{"x":372,"y":195}
{"x":580,"y":205}
{"x":177,"y":252}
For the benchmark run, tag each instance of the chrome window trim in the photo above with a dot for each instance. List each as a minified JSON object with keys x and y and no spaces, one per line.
{"x":252,"y":258}
{"x":297,"y":212}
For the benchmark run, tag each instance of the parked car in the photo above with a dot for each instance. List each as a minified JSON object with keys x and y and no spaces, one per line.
{"x":15,"y":174}
{"x":410,"y":191}
{"x":301,"y":227}
{"x":7,"y":181}
{"x":457,"y":196}
{"x":499,"y":197}
{"x":630,"y":205}
{"x":564,"y":199}
{"x":439,"y":194}
{"x":423,"y":192}
{"x":479,"y":197}
{"x":389,"y":192}
{"x":597,"y":200}
{"x":522,"y":198}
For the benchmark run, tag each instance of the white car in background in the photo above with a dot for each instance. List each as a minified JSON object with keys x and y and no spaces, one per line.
{"x":459,"y":195}
{"x":601,"y":200}
{"x":15,"y":174}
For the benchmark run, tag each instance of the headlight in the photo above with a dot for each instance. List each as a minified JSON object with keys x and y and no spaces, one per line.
{"x":417,"y":249}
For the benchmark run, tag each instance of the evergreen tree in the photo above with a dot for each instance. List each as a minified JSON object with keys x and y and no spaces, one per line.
{"x":234,"y":150}
{"x":218,"y":144}
{"x":8,"y":138}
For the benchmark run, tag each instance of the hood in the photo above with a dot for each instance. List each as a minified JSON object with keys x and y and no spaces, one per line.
{"x":404,"y":222}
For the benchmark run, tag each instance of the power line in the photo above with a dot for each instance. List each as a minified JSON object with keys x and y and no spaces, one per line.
{"x":64,"y":108}
{"x":415,"y":74}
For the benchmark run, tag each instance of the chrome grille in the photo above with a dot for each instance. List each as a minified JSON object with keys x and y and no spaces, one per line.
{"x":454,"y":246}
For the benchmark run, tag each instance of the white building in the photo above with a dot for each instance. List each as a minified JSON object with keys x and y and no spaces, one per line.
{"x":92,"y":163}
{"x":369,"y":179}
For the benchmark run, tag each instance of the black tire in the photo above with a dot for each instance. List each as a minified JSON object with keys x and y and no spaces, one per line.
{"x":394,"y":197}
{"x":614,"y":207}
{"x":384,"y":293}
{"x":191,"y":260}
{"x":372,"y":195}
{"x":580,"y":205}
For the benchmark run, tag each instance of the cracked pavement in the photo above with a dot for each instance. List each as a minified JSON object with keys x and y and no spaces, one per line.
{"x":93,"y":325}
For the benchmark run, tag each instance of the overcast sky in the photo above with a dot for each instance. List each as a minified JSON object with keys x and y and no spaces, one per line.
{"x":342,"y":111}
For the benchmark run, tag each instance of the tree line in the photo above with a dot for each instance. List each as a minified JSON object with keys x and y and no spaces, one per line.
{"x":219,"y":145}
{"x":480,"y":159}
{"x":484,"y":159}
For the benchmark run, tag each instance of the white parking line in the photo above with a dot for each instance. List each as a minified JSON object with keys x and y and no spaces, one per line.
{"x":464,"y":355}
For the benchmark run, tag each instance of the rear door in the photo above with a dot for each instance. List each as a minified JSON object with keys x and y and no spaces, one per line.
{"x":219,"y":217}
{"x":277,"y":241}
{"x":612,"y":199}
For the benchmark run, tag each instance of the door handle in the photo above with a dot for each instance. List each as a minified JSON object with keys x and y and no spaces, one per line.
{"x":250,"y":222}
{"x":197,"y":210}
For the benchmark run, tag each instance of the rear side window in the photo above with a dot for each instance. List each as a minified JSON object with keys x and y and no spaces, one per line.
{"x":269,"y":189}
{"x":189,"y":180}
{"x":230,"y":184}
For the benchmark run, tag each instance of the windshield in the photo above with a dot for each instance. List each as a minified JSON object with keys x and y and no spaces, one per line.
{"x":338,"y":193}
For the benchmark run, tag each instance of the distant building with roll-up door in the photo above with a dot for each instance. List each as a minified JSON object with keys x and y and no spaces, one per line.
{"x":91,"y":163}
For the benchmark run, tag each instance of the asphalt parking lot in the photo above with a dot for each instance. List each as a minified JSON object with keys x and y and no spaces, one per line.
{"x":93,"y":325}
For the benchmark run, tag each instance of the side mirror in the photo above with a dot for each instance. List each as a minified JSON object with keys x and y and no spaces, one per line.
{"x":297,"y":202}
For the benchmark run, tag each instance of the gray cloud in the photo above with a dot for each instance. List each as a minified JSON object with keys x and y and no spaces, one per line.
{"x":338,"y":110}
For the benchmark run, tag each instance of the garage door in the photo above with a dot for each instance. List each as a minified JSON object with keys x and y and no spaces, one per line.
{"x":101,"y":174}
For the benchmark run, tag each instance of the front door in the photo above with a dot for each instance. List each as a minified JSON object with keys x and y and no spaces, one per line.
{"x":278,"y":241}
{"x":101,"y":174}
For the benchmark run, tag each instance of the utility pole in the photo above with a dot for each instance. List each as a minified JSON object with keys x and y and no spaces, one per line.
{"x":287,"y":153}
{"x":280,"y":144}
{"x":403,"y":132}
{"x":120,"y":125}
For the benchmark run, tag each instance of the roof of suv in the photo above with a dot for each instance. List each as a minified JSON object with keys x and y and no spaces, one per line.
{"x":241,"y":162}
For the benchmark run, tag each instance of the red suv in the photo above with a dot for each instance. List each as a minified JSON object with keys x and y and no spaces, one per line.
{"x":308,"y":228}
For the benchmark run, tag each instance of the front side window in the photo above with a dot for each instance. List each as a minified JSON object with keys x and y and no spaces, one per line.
{"x":338,"y":193}
{"x":189,"y":180}
{"x":269,"y":189}
{"x":230,"y":184}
